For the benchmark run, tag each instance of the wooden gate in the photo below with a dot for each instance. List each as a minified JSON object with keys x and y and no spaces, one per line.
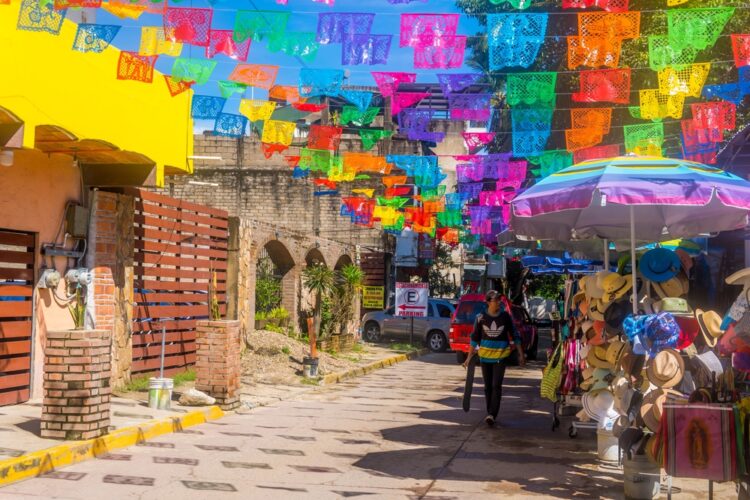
{"x":178,"y":246}
{"x":16,"y":315}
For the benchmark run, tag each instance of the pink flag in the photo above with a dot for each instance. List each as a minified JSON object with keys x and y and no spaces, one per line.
{"x":388,"y":82}
{"x":401,"y":100}
{"x":475,"y":140}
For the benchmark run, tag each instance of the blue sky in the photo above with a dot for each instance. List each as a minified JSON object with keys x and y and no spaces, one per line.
{"x":304,"y":17}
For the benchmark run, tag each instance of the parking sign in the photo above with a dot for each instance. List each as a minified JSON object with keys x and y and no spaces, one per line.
{"x":411,"y":299}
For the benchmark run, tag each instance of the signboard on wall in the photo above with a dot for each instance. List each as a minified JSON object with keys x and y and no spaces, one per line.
{"x":372,"y":297}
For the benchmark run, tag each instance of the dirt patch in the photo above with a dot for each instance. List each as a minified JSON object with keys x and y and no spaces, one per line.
{"x":274,"y":358}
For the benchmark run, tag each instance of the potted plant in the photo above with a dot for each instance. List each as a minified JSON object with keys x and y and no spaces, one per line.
{"x":320,"y":281}
{"x":261,"y":320}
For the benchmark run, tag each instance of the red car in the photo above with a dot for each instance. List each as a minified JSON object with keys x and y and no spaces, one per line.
{"x":462,"y":324}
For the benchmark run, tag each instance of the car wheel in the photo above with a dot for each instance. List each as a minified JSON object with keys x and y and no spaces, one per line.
{"x":436,"y":341}
{"x":460,"y":357}
{"x":371,"y":332}
{"x":531,"y":353}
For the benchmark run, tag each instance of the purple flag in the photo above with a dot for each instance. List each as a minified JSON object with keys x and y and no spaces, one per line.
{"x":335,"y":27}
{"x":365,"y":49}
{"x":469,"y":106}
{"x":450,"y":83}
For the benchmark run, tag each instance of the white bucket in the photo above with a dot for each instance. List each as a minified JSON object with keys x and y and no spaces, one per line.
{"x":642,"y":478}
{"x":606,"y":444}
{"x":160,"y":393}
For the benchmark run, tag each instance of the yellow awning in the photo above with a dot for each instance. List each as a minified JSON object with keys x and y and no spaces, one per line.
{"x":45,"y":82}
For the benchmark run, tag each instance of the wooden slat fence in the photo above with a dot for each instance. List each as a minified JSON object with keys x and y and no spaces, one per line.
{"x":16,"y":315}
{"x":178,"y":245}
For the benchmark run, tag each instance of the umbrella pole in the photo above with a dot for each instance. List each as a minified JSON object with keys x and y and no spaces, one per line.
{"x":632,"y":259}
{"x":606,"y":254}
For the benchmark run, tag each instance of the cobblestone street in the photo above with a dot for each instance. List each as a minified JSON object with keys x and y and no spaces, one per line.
{"x":396,"y":433}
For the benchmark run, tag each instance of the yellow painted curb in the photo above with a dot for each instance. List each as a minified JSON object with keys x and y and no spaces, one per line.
{"x":333,"y":378}
{"x":38,"y":462}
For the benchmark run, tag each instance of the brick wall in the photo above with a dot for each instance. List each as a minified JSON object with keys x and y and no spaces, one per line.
{"x":110,"y":258}
{"x":76,"y":384}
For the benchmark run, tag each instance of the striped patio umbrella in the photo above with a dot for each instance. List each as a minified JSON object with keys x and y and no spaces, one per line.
{"x":668,"y":199}
{"x":647,"y":198}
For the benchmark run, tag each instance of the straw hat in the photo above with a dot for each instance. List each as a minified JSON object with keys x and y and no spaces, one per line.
{"x":653,"y":406}
{"x":588,"y":378}
{"x":599,"y":404}
{"x":615,"y":286}
{"x":666,"y":369}
{"x":600,"y":277}
{"x":615,"y":350}
{"x":710,"y":323}
{"x":596,"y":309}
{"x":631,"y":363}
{"x":675,"y":306}
{"x":676,"y":286}
{"x":592,"y":289}
{"x":597,"y":357}
{"x":623,"y":394}
{"x":659,"y":265}
{"x":740,"y":277}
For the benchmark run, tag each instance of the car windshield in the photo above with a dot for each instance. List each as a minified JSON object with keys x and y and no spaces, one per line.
{"x":468,"y":310}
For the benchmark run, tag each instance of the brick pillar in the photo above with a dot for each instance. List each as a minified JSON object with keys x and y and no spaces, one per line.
{"x":110,"y":258}
{"x":76,"y":384}
{"x":217,"y":361}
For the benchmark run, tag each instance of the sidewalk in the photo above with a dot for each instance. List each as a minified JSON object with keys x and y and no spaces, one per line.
{"x":25,"y":454}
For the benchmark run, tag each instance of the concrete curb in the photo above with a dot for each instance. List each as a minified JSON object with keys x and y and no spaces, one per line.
{"x":39,"y":462}
{"x":333,"y":378}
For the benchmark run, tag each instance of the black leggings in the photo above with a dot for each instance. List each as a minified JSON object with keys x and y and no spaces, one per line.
{"x":493,"y":374}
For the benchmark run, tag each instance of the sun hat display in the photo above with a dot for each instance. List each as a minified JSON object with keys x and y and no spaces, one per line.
{"x":653,"y":406}
{"x":615,"y":350}
{"x":675,"y":306}
{"x":659,"y":265}
{"x":673,"y":287}
{"x":660,"y":331}
{"x":597,"y":357}
{"x":596,"y":309}
{"x":599,"y":405}
{"x":710,"y":324}
{"x":615,"y":315}
{"x":666,"y":369}
{"x":615,"y":286}
{"x":739,"y":278}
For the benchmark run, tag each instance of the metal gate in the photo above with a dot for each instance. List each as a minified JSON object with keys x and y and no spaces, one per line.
{"x":16,"y":315}
{"x":178,"y":245}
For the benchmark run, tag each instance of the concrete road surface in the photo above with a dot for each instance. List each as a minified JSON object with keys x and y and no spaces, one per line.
{"x":397,"y":433}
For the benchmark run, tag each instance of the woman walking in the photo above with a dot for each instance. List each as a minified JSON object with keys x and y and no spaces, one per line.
{"x":491,"y":340}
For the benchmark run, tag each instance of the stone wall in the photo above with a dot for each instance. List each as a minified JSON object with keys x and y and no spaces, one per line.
{"x":263,"y":189}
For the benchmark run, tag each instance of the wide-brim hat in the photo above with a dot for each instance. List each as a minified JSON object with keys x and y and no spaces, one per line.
{"x":592,"y":289}
{"x":599,"y":404}
{"x":739,"y":278}
{"x":616,"y":286}
{"x":578,"y":297}
{"x":597,"y":357}
{"x":623,"y":394}
{"x":588,"y":378}
{"x":666,"y":369}
{"x":676,"y":306}
{"x":601,"y":276}
{"x":685,"y":259}
{"x":615,"y":350}
{"x":653,"y":406}
{"x":632,"y":363}
{"x":710,"y":324}
{"x":661,"y":331}
{"x":596,"y":309}
{"x":689,"y":330}
{"x":659,"y":265}
{"x":615,"y":315}
{"x":676,"y":286}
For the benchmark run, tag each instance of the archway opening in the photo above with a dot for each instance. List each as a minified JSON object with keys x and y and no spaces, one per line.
{"x":343,"y":261}
{"x":272,"y":270}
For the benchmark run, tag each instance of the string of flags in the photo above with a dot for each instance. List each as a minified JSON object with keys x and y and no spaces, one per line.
{"x":683,"y":91}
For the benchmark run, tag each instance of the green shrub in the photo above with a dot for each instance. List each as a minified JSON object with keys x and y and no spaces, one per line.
{"x":260,"y":315}
{"x":275,"y":328}
{"x":278,"y":313}
{"x":286,"y":350}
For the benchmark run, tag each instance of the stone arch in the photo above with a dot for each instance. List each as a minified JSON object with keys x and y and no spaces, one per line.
{"x":315,"y":256}
{"x":285,"y":269}
{"x":342,"y":261}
